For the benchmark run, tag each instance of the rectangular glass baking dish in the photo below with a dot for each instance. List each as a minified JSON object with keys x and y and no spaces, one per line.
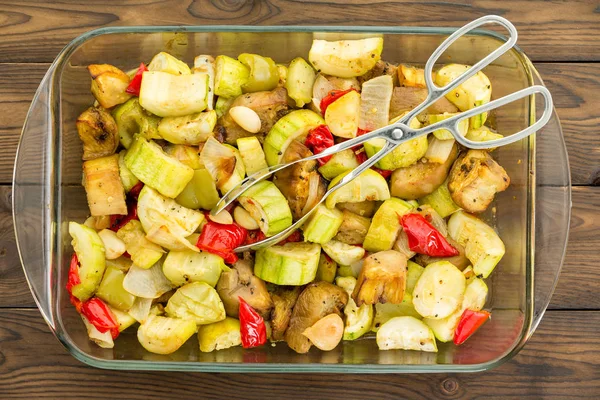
{"x":532,"y":216}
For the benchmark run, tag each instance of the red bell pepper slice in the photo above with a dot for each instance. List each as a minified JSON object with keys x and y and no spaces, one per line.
{"x":73,"y":278}
{"x":468,"y":324}
{"x":136,"y":82}
{"x":332,"y":96}
{"x":222,"y":239}
{"x":423,"y":238}
{"x":252,"y":326}
{"x":318,"y":140}
{"x":76,"y":303}
{"x":134,"y":193}
{"x":119,"y":221}
{"x":99,"y":315}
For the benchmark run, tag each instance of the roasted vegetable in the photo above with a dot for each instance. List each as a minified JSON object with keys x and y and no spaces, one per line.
{"x":186,"y":266}
{"x":316,"y":301}
{"x":441,"y":201}
{"x":89,"y":265}
{"x":132,"y":119}
{"x":143,"y":252}
{"x":252,"y":154}
{"x":475,"y":179}
{"x":439,"y":290}
{"x":162,"y":335}
{"x":338,"y":164}
{"x":219,"y":335}
{"x":358,"y":319}
{"x":385,"y":225}
{"x":365,"y":208}
{"x":113,"y":246}
{"x":325,"y":84}
{"x":284,"y":300}
{"x":191,"y":129}
{"x":148,"y":283}
{"x":127,"y":178}
{"x":411,"y":76}
{"x":224,"y":164}
{"x":420,"y":179}
{"x":327,"y":269}
{"x":270,"y":106}
{"x":263,"y":73}
{"x":460,"y":261}
{"x":406,"y":333}
{"x":204,"y":64}
{"x":342,"y":115}
{"x":342,"y":253}
{"x":165,"y":62}
{"x":345,"y":58}
{"x":326,"y":333}
{"x":198,"y":302}
{"x":386,"y":311}
{"x":293,"y":264}
{"x":98,"y":132}
{"x":200,"y":192}
{"x":188,"y":155}
{"x":238,"y":282}
{"x":380,"y":68}
{"x":230,"y":76}
{"x":406,"y":98}
{"x":109,"y":84}
{"x":111,"y":289}
{"x":322,"y":225}
{"x":103,"y":186}
{"x":353,"y":229}
{"x":369,"y":185}
{"x":168,"y":95}
{"x":375,"y":103}
{"x":382,"y":279}
{"x":268,"y":207}
{"x":299,"y":81}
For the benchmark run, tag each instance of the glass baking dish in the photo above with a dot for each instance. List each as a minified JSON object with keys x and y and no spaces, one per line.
{"x":532,"y":216}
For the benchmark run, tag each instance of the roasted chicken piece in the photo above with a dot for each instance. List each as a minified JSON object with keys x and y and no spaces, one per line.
{"x":475,"y":179}
{"x":99,"y":133}
{"x":241,"y":282}
{"x":284,"y":300}
{"x":270,"y":106}
{"x":295,"y":181}
{"x":381,"y":68}
{"x":421,"y":178}
{"x":109,"y":84}
{"x":316,"y":301}
{"x":382,"y":279}
{"x":406,"y":98}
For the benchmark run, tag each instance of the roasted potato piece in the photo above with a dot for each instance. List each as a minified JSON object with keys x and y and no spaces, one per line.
{"x":241,"y":282}
{"x":354,"y":228}
{"x":406,"y":98}
{"x":109,"y":84}
{"x":103,"y":186}
{"x":475,"y":179}
{"x":421,"y":178}
{"x":283,"y":302}
{"x":460,"y":261}
{"x":316,"y":301}
{"x":99,"y":133}
{"x":365,"y":208}
{"x":382,"y":279}
{"x":294,"y":182}
{"x":381,"y":68}
{"x":270,"y":106}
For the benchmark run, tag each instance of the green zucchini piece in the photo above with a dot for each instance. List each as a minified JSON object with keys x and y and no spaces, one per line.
{"x":181,"y":267}
{"x":345,"y":58}
{"x":190,"y":129}
{"x":252,"y":154}
{"x":483,"y":134}
{"x":204,"y":64}
{"x":143,"y":252}
{"x":369,"y":185}
{"x":111,"y":289}
{"x":326,"y":270}
{"x":443,"y":134}
{"x":441,"y":201}
{"x":292,"y":264}
{"x":165,"y":62}
{"x":90,"y":252}
{"x":342,"y":253}
{"x":222,"y":105}
{"x":386,"y":311}
{"x":338,"y":164}
{"x":198,"y":302}
{"x":358,"y":320}
{"x":151,"y":165}
{"x":385,"y":225}
{"x":201,"y":192}
{"x":163,"y":335}
{"x":168,"y":95}
{"x":413,"y":273}
{"x":406,"y":333}
{"x":127,"y":178}
{"x":439,"y":290}
{"x":103,"y":187}
{"x":439,"y":150}
{"x":264,"y":75}
{"x":187,"y":155}
{"x":230,"y":76}
{"x":219,"y":335}
{"x":483,"y":246}
{"x":322,"y":225}
{"x":292,"y":126}
{"x":132,"y":119}
{"x":299,"y":81}
{"x":123,"y":318}
{"x":342,"y":115}
{"x":268,"y":207}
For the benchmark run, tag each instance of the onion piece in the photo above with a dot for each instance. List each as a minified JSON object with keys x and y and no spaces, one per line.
{"x":219,"y":161}
{"x":140,"y":309}
{"x":313,"y":193}
{"x":375,"y":102}
{"x":103,"y":340}
{"x":401,"y":245}
{"x":148,"y":283}
{"x":434,"y":219}
{"x":325,"y":84}
{"x":161,"y":235}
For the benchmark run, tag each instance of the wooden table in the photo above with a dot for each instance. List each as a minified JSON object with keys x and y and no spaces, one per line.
{"x":561,"y":360}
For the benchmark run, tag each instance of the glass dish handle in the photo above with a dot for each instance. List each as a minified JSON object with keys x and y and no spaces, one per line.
{"x":32,"y":197}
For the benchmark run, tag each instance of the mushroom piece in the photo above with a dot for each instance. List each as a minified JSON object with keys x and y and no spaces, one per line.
{"x":316,"y":301}
{"x":406,"y":98}
{"x":284,"y":300}
{"x":241,"y":282}
{"x":475,"y":179}
{"x":98,"y":131}
{"x":382,"y":279}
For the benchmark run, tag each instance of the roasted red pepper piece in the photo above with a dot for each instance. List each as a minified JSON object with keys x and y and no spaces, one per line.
{"x":73,"y":278}
{"x":99,"y":315}
{"x":423,"y":238}
{"x":134,"y":193}
{"x":331,"y":97}
{"x":221,"y":239}
{"x":119,"y":221}
{"x":252,"y":326}
{"x":136,"y":81}
{"x":76,"y":303}
{"x":318,"y":140}
{"x":468,"y":324}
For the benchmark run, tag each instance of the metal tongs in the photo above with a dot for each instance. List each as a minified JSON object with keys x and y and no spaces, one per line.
{"x":399,"y":132}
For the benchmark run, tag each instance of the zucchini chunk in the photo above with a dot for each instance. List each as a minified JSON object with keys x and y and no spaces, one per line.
{"x":406,"y":333}
{"x":268,"y":207}
{"x":103,"y":186}
{"x":292,"y":264}
{"x":90,"y":252}
{"x":345,"y":58}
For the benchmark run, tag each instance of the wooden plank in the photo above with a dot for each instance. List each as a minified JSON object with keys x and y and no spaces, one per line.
{"x":36,"y":30}
{"x":577,"y":287}
{"x":570,"y":370}
{"x":574,"y":87}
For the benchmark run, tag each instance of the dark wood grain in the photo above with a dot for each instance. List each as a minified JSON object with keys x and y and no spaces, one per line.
{"x":35,"y":31}
{"x":575,"y":89}
{"x":570,"y":368}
